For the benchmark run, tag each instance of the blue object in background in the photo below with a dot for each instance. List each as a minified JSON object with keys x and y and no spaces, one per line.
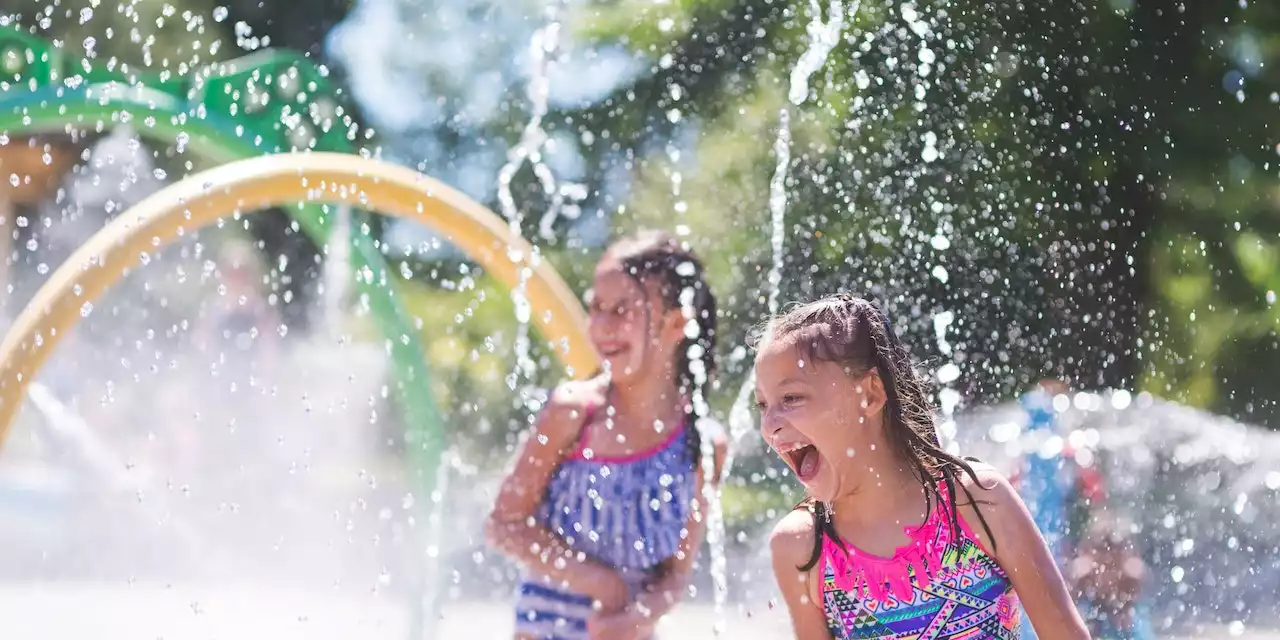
{"x":1048,"y":486}
{"x":1045,"y":482}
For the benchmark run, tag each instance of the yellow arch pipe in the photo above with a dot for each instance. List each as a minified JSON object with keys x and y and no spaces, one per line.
{"x":281,"y":180}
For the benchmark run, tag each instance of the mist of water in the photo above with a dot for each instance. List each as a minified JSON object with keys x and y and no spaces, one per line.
{"x":67,"y":430}
{"x":196,"y":462}
{"x":1197,"y":492}
{"x":172,"y":445}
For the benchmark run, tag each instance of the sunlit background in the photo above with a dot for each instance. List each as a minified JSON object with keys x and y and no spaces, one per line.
{"x":1077,"y":191}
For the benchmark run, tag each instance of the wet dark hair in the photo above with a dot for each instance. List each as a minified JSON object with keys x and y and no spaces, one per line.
{"x":657,"y":257}
{"x":855,"y":333}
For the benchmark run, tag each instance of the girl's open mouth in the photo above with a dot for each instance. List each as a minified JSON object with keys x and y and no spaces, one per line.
{"x":803,"y":459}
{"x":612,"y":350}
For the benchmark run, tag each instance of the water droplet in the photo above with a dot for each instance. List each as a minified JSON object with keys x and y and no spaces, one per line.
{"x":1121,"y":399}
{"x":948,"y":373}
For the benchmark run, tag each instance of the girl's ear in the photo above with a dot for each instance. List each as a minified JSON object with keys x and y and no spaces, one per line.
{"x":673,"y":323}
{"x":873,"y":393}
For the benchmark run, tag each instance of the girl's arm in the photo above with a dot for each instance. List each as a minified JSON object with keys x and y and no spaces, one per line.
{"x":1024,"y":555}
{"x":791,"y":545}
{"x":512,"y":526}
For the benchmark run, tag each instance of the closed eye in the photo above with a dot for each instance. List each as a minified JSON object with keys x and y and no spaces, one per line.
{"x":792,"y":398}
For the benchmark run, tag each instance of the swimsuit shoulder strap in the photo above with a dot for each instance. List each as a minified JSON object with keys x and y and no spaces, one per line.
{"x":588,"y":415}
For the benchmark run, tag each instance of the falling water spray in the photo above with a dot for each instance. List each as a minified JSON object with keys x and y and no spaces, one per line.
{"x":544,"y":47}
{"x":823,"y":37}
{"x":337,"y":267}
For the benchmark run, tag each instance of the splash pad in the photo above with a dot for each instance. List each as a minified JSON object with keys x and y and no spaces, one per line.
{"x":243,"y":187}
{"x":269,"y":102}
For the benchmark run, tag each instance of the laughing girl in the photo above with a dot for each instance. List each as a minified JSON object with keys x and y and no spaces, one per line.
{"x":885,"y":545}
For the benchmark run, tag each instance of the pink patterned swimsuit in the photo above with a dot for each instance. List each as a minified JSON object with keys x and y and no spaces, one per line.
{"x":936,"y":586}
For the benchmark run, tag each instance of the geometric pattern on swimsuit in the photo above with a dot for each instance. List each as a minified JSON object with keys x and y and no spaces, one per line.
{"x":937,"y":586}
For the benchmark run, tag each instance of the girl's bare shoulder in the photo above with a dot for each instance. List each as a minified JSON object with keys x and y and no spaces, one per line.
{"x":792,"y":540}
{"x":988,"y":486}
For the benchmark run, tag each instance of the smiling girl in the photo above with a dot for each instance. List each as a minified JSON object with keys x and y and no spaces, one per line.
{"x":885,"y":547}
{"x":604,"y":506}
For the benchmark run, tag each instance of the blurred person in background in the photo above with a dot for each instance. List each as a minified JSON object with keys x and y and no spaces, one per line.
{"x":1107,"y":576}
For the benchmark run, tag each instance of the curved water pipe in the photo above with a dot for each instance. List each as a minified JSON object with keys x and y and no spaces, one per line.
{"x":259,"y":183}
{"x":268,"y":102}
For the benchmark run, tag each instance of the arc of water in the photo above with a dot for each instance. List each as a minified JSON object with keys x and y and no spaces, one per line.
{"x":544,"y":46}
{"x":823,"y":37}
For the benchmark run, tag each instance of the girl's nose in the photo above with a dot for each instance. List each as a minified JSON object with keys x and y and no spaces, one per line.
{"x":769,"y":425}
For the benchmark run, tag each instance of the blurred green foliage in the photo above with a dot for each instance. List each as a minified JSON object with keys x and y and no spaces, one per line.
{"x":1105,"y":183}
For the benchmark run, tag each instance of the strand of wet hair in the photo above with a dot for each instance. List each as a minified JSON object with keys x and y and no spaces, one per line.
{"x":893,"y":356}
{"x":665,"y":261}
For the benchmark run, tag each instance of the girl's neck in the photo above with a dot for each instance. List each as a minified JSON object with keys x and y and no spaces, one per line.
{"x":650,"y":397}
{"x":884,"y":485}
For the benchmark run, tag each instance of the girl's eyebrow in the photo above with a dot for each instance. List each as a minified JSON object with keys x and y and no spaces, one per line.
{"x":787,"y":381}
